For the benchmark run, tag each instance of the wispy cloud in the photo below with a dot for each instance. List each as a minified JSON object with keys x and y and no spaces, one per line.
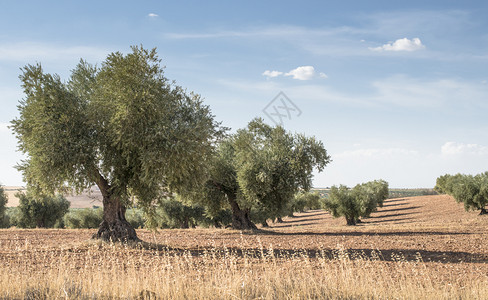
{"x":376,"y":152}
{"x":411,"y":92}
{"x":401,"y":45}
{"x":453,"y":148}
{"x":285,"y":32}
{"x":153,"y":15}
{"x":28,"y":52}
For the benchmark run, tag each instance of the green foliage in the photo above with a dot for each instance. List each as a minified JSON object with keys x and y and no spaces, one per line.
{"x":470,"y":190}
{"x":173,"y":213}
{"x":357,"y":202}
{"x":135,"y":217}
{"x":370,"y":196}
{"x":122,"y":126}
{"x":272,"y":165}
{"x":304,"y":201}
{"x":4,"y":220}
{"x":92,"y":217}
{"x":46,"y":212}
{"x":258,"y":170}
{"x":402,"y":193}
{"x":83,"y":218}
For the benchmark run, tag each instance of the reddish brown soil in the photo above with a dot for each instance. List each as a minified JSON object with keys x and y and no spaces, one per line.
{"x":436,"y":227}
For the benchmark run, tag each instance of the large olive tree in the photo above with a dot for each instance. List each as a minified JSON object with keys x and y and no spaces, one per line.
{"x":122,"y":126}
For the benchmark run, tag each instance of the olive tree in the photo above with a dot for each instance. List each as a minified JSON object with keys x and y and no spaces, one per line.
{"x":41,"y":211}
{"x":273,"y":165}
{"x":470,"y":190}
{"x":122,"y":126}
{"x":261,"y":168}
{"x":360,"y":201}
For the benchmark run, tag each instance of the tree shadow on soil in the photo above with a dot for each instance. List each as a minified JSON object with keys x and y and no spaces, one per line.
{"x":395,"y":204}
{"x":352,"y":233}
{"x":397,"y":209}
{"x":389,"y":255}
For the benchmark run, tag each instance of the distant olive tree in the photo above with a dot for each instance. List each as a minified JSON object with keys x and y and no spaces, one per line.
{"x":360,"y":201}
{"x":43,"y":212}
{"x":173,"y":213}
{"x":470,"y":190}
{"x":83,"y":218}
{"x":304,"y":201}
{"x":3,"y":207}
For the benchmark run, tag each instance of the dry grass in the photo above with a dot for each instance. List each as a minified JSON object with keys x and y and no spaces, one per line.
{"x":311,"y":256}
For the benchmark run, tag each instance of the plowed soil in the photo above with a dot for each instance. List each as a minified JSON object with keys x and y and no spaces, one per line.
{"x":436,"y":227}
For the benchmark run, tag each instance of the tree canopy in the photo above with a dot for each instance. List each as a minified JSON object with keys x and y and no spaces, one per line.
{"x":470,"y":190}
{"x":360,"y":201}
{"x":122,"y":126}
{"x":262,"y":167}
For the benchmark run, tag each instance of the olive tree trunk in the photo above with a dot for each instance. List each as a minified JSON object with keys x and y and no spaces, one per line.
{"x":114,"y":226}
{"x":240,"y":217}
{"x":350,"y":221}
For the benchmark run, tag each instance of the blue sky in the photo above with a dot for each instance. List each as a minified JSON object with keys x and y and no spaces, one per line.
{"x":396,"y":90}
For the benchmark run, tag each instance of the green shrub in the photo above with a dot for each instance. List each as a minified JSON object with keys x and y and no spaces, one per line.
{"x":83,"y":218}
{"x":41,"y":211}
{"x":135,"y":217}
{"x":172,"y":213}
{"x":4,"y":222}
{"x":304,"y":201}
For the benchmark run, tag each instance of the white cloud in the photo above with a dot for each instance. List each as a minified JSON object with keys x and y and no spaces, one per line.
{"x":271,"y":74}
{"x":401,"y":45}
{"x":453,"y":148}
{"x":302,"y":73}
{"x":153,"y":15}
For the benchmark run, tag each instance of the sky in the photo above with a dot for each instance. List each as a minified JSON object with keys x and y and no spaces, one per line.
{"x":396,"y":90}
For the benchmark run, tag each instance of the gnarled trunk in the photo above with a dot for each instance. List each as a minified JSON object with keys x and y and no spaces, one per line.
{"x":483,"y":211}
{"x":114,"y":226}
{"x":240,"y":217}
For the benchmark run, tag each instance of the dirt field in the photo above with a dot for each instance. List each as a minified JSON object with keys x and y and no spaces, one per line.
{"x":432,"y":230}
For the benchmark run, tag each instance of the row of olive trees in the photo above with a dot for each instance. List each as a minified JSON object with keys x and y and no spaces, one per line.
{"x":126,"y":128}
{"x":357,"y":202}
{"x":49,"y":212}
{"x":470,"y":190}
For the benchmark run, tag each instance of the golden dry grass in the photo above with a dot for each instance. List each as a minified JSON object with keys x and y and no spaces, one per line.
{"x":413,"y":248}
